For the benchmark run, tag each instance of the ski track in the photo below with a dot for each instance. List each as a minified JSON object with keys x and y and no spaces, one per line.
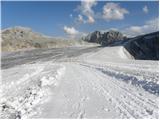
{"x":81,"y":87}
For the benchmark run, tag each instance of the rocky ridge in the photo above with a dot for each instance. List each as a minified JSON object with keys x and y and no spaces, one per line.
{"x":105,"y":38}
{"x":143,"y":47}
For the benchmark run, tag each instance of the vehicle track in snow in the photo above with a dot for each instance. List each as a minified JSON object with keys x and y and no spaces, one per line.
{"x":147,"y":81}
{"x":90,"y":93}
{"x":131,"y":105}
{"x":88,"y":87}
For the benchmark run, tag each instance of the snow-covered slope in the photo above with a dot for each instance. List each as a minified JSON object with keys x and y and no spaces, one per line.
{"x":117,"y":53}
{"x":25,"y":91}
{"x":104,"y":84}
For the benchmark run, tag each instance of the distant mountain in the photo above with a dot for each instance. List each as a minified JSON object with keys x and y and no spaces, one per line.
{"x":18,"y":38}
{"x":94,"y":37}
{"x":143,"y":47}
{"x":105,"y":38}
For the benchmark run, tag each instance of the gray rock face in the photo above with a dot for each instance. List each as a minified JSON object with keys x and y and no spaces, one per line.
{"x":105,"y":38}
{"x":111,"y":37}
{"x":94,"y":37}
{"x":145,"y":47}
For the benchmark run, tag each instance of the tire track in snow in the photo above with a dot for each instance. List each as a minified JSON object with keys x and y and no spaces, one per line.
{"x":136,"y":104}
{"x":130,"y":76}
{"x":96,"y":85}
{"x":149,"y":86}
{"x":80,"y":110}
{"x":103,"y":69}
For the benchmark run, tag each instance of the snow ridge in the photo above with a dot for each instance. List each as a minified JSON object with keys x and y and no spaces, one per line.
{"x":24,"y":106}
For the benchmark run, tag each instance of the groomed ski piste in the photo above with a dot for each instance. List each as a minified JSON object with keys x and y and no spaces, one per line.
{"x":108,"y":83}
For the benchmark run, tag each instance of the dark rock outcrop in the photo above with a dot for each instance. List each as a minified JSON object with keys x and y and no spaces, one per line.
{"x":94,"y":37}
{"x":144,"y":47}
{"x":105,"y":38}
{"x":111,"y":37}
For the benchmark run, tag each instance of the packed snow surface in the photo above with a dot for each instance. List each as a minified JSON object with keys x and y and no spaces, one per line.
{"x":107,"y":83}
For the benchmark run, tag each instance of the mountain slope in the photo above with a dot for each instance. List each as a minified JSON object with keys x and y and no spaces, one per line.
{"x":145,"y":47}
{"x":19,"y":38}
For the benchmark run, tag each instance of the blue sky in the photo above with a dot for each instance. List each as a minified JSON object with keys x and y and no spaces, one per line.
{"x":76,"y":17}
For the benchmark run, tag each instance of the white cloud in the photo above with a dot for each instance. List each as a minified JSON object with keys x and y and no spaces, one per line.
{"x":90,"y":20}
{"x":112,"y":11}
{"x":70,"y":30}
{"x":145,"y":9}
{"x":132,"y":31}
{"x":73,"y":33}
{"x":106,"y":30}
{"x":80,"y":19}
{"x":86,"y":9}
{"x":148,"y":27}
{"x":135,"y":29}
{"x":71,"y":15}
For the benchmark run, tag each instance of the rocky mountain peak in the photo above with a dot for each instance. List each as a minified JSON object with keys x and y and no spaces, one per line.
{"x":105,"y":38}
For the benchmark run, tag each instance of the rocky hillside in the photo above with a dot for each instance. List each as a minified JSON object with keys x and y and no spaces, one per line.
{"x":19,"y":38}
{"x":145,"y":47}
{"x":94,"y":37}
{"x":105,"y":38}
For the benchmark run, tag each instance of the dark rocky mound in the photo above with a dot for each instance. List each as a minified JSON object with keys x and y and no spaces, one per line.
{"x":144,"y":47}
{"x":105,"y":38}
{"x":111,"y":37}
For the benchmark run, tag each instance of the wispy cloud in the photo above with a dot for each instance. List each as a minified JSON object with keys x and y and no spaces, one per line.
{"x":145,"y":9}
{"x":86,"y":9}
{"x":113,"y":11}
{"x":110,"y":11}
{"x":150,"y":26}
{"x":70,"y":30}
{"x":132,"y":31}
{"x":80,"y":19}
{"x":73,"y":33}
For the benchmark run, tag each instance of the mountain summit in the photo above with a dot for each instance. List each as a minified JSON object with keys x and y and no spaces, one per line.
{"x":105,"y":38}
